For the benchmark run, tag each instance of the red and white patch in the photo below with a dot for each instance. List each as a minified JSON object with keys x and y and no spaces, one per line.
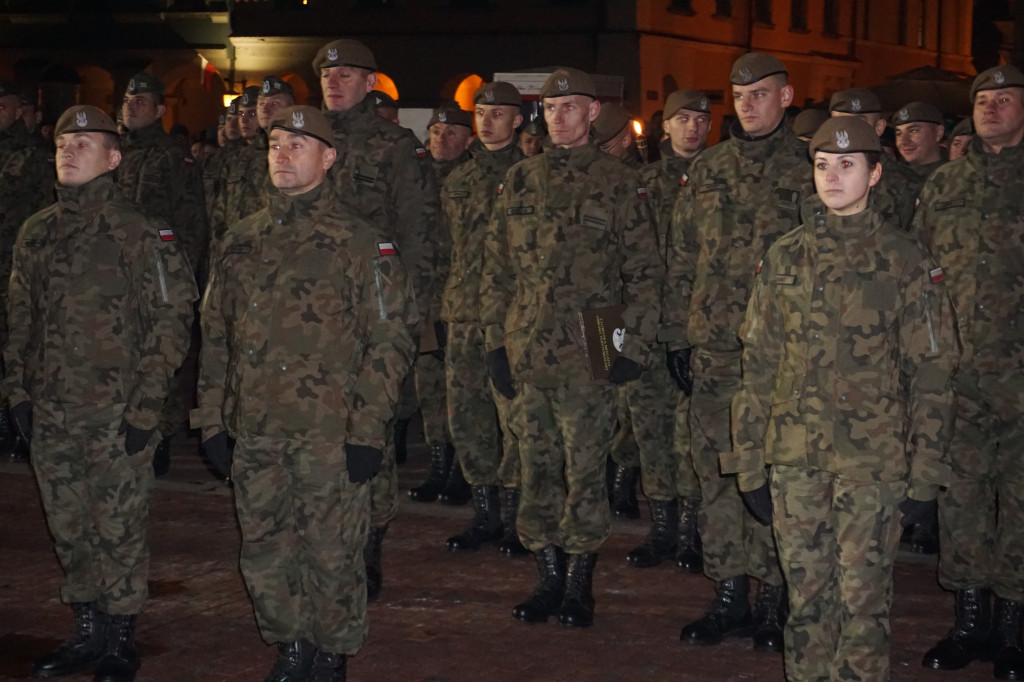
{"x":386,"y":249}
{"x":167,"y":235}
{"x":760,"y":264}
{"x":501,"y":188}
{"x":936,"y":275}
{"x":641,"y":192}
{"x":189,"y":161}
{"x":683,"y":180}
{"x":421,"y":152}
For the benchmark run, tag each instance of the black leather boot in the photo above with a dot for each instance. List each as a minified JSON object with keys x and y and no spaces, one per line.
{"x":728,"y":615}
{"x":624,"y":502}
{"x":371,"y":559}
{"x":689,"y":548}
{"x":486,"y":524}
{"x":578,"y":603}
{"x":294,"y":662}
{"x":546,"y":599}
{"x":1005,"y":643}
{"x":661,"y":540}
{"x":401,"y":440}
{"x":968,"y":640}
{"x":456,"y":490}
{"x":83,"y":649}
{"x":162,"y":457}
{"x":328,"y":667}
{"x":441,"y":455}
{"x":120,"y":663}
{"x":510,"y":545}
{"x":769,"y":617}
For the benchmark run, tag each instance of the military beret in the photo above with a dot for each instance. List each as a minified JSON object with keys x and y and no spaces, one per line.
{"x":210,"y":135}
{"x":498,"y":93}
{"x":450,"y":113}
{"x":845,"y":134}
{"x":693,"y":100}
{"x":84,"y":118}
{"x":222,"y":119}
{"x":249,"y":96}
{"x":754,"y":66}
{"x":304,"y":120}
{"x":344,"y":52}
{"x":233,"y":106}
{"x":142,"y":83}
{"x":568,"y":81}
{"x":1003,"y":76}
{"x":855,"y":101}
{"x":272,"y":85}
{"x":612,"y":120}
{"x":7,"y":88}
{"x":917,"y":112}
{"x":964,"y":127}
{"x":807,"y":122}
{"x":535,"y":127}
{"x":383,"y":100}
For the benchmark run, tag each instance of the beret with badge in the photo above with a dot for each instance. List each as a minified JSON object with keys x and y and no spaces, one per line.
{"x":611,"y":121}
{"x":855,"y":101}
{"x":142,"y":83}
{"x":304,"y":120}
{"x":916,"y":112}
{"x":272,"y":85}
{"x":450,"y":113}
{"x":250,"y":96}
{"x":754,"y":66}
{"x":568,"y":81}
{"x":84,"y":118}
{"x":844,"y":135}
{"x":498,"y":93}
{"x":692,"y":100}
{"x":344,"y":52}
{"x":996,"y":78}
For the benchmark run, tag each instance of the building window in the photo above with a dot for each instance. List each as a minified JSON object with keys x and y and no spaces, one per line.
{"x":681,"y":7}
{"x":831,"y":26}
{"x":763,"y":11}
{"x":723,"y":8}
{"x":798,"y":15}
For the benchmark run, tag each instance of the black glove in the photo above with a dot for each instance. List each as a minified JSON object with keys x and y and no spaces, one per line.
{"x":219,"y":449}
{"x":441,"y":334}
{"x":134,"y":439}
{"x":500,"y":372}
{"x":759,"y":504}
{"x":21,"y":417}
{"x":679,"y":368}
{"x":623,"y":369}
{"x":916,"y":511}
{"x":362,"y":462}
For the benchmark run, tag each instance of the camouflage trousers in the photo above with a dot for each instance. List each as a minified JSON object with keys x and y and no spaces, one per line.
{"x":96,"y":500}
{"x":564,"y":438}
{"x":384,"y":486}
{"x":734,"y":542}
{"x":978,"y":546}
{"x":477,"y":414}
{"x":837,"y":542}
{"x":654,"y":434}
{"x":431,"y":395}
{"x":303,"y":526}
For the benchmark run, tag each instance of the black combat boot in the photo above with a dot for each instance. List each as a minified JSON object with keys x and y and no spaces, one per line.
{"x":441,"y":455}
{"x":546,"y":599}
{"x":1005,"y":641}
{"x":121,"y":660}
{"x":661,"y":540}
{"x":728,"y":615}
{"x":294,"y":662}
{"x":328,"y":667}
{"x":623,"y":495}
{"x":578,"y":603}
{"x":401,"y":440}
{"x":510,"y":545}
{"x":162,"y":457}
{"x":371,"y":559}
{"x":486,"y":524}
{"x":456,"y":490}
{"x":968,"y":640}
{"x":769,"y":617}
{"x":689,"y":548}
{"x":84,"y":648}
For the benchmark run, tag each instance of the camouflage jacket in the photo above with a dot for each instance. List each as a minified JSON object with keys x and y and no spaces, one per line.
{"x":571,"y":230}
{"x":442,"y":169}
{"x":971,"y":219}
{"x":159,"y":175}
{"x":305,"y":326}
{"x":664,"y":180}
{"x":213,"y":170}
{"x":467,"y":198}
{"x":100,"y":309}
{"x":243,"y":190}
{"x":739,"y":197}
{"x":849,"y":346}
{"x":26,"y":186}
{"x":895,"y":195}
{"x":383,"y":171}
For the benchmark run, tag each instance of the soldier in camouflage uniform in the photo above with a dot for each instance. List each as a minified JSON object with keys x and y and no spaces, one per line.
{"x":896,"y":192}
{"x":302,"y":461}
{"x":478,"y":415}
{"x":571,"y":231}
{"x":971,"y":218}
{"x":100,"y":309}
{"x":613,"y":132}
{"x":919,"y":132}
{"x":849,"y":346}
{"x":532,"y":136}
{"x":215,"y":174}
{"x":740,"y":196}
{"x":960,"y":137}
{"x":383,"y":171}
{"x":649,"y":424}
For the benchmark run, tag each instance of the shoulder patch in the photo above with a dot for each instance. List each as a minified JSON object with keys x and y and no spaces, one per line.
{"x":641,"y":192}
{"x":167,"y":235}
{"x":189,"y":161}
{"x":501,"y":188}
{"x":683,"y":180}
{"x":386,"y":249}
{"x":936,"y":275}
{"x":421,"y":152}
{"x":760,"y":265}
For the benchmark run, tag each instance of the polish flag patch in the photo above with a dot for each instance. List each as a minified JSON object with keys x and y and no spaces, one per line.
{"x":760,"y":264}
{"x":167,"y":235}
{"x":683,"y":180}
{"x":936,"y":275}
{"x":641,"y":192}
{"x":386,"y":249}
{"x":501,"y":188}
{"x":421,"y":152}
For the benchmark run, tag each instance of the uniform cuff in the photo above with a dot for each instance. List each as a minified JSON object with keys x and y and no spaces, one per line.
{"x":742,"y":462}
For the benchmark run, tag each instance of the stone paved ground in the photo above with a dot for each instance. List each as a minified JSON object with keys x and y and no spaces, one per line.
{"x":441,"y":618}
